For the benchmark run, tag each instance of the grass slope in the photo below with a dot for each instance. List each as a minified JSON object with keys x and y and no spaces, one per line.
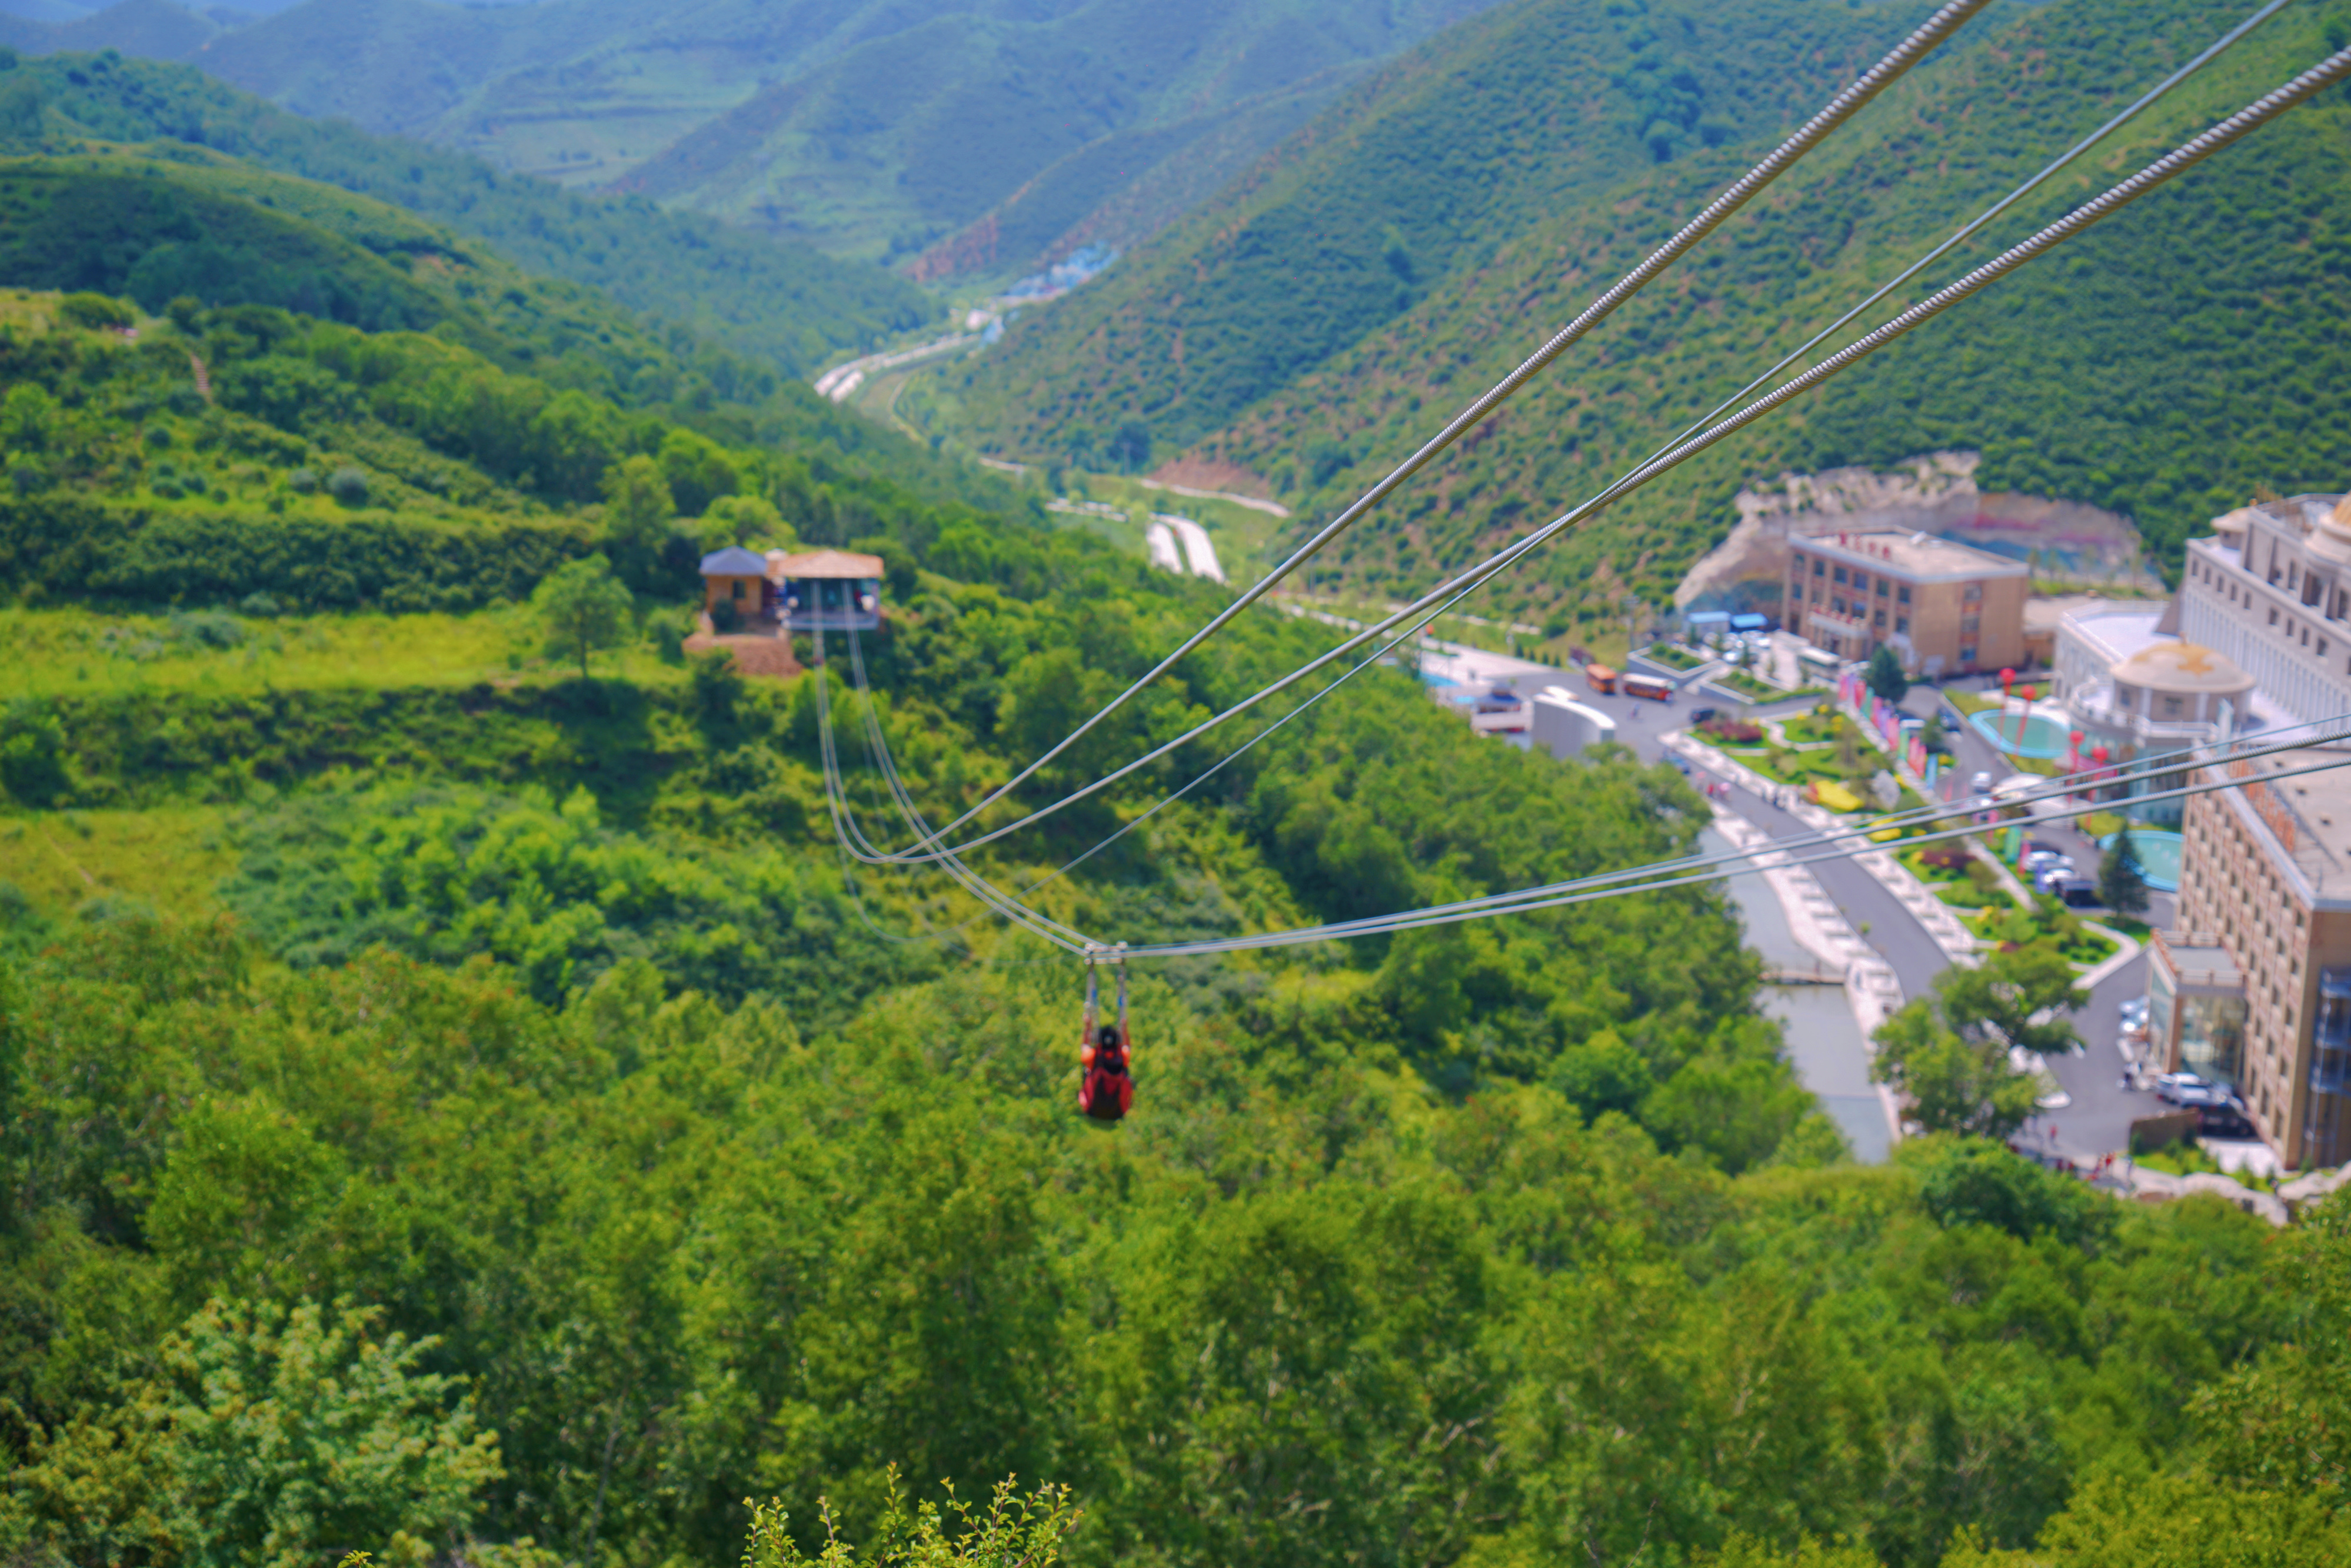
{"x":768,"y":299}
{"x":1527,"y":111}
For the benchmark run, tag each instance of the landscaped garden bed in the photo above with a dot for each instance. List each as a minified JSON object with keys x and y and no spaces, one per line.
{"x":2047,"y":922}
{"x":1672,"y":657}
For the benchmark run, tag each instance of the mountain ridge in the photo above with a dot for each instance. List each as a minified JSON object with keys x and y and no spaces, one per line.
{"x":770,"y":299}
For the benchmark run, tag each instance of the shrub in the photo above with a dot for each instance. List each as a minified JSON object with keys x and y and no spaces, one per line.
{"x":1946,"y":857}
{"x":206,"y":627}
{"x":303,"y":482}
{"x":260,"y":606}
{"x":724,"y":617}
{"x":1737,"y":731}
{"x":96,"y":311}
{"x":33,"y":756}
{"x":349,"y":486}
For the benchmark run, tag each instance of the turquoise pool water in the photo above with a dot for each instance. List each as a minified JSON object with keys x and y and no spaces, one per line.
{"x":2159,"y":855}
{"x":2042,"y":738}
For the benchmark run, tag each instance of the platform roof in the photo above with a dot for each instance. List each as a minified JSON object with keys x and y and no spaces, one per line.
{"x":733,"y":561}
{"x":822,"y":564}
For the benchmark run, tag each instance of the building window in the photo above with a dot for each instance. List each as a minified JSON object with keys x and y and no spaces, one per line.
{"x":1881,"y":588}
{"x":1837,"y":575}
{"x":1902,"y":625}
{"x":1861,"y":580}
{"x":1971,"y":624}
{"x":2272,"y":615}
{"x":1816,"y":565}
{"x":1798,"y":565}
{"x":1902,"y":595}
{"x":1967,"y":655}
{"x":1973,"y":593}
{"x":1879,"y":618}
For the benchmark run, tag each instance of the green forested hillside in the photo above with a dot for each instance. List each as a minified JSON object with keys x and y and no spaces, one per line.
{"x":459,"y":1103}
{"x":168,"y":220}
{"x":768,"y":299}
{"x":1032,"y":124}
{"x":1529,"y":111}
{"x":991,"y":129}
{"x":2152,"y":368}
{"x":450,"y":1106}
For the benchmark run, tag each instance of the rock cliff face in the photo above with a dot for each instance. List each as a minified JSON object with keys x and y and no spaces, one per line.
{"x":2066,"y":542}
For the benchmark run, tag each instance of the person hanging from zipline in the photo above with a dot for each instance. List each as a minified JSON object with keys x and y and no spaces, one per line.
{"x":1105,"y":1080}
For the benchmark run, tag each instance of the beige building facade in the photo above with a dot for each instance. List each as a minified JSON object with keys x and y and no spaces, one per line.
{"x":1944,"y":607}
{"x":2264,"y":912}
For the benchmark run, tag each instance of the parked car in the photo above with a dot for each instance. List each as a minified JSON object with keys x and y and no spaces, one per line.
{"x":2048,"y":877}
{"x":2077,"y":892}
{"x":1700,"y":715}
{"x":2227,"y":1120}
{"x":2039,"y":855}
{"x":2133,"y":1010}
{"x":1979,"y":785}
{"x":2169,"y":1086}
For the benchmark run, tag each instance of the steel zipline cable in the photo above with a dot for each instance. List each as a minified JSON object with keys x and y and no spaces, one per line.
{"x":2335,"y":68}
{"x":1528,"y":901}
{"x":854,"y":841}
{"x":1841,"y":842}
{"x":2145,"y":100}
{"x":1841,"y":108}
{"x":2329,"y":72}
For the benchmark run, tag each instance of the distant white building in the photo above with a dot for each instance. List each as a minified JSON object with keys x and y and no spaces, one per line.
{"x":2271,"y":589}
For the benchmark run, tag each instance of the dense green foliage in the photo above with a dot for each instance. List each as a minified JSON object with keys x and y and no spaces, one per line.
{"x":2161,"y":366}
{"x":687,"y":1253}
{"x":769,"y":300}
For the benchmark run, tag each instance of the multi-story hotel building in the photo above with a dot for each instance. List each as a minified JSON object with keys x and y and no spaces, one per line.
{"x":2251,"y":986}
{"x":1944,"y":607}
{"x":2271,"y":589}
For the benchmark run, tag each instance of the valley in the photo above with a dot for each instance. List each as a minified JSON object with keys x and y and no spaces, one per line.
{"x":675,"y":892}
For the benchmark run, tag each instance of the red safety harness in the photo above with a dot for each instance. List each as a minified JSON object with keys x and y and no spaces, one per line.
{"x":1105,"y":1060}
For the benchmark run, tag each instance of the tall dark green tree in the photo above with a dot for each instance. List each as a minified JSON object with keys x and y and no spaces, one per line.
{"x":1885,"y":675}
{"x":2122,"y":881}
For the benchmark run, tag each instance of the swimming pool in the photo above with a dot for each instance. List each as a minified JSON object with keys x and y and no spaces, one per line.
{"x":2043,"y":736}
{"x":2159,"y":855}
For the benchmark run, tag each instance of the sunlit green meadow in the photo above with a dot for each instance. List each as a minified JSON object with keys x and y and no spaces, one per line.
{"x":78,"y":652}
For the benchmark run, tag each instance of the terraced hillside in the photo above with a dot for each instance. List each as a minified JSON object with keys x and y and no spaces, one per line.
{"x":2162,"y":368}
